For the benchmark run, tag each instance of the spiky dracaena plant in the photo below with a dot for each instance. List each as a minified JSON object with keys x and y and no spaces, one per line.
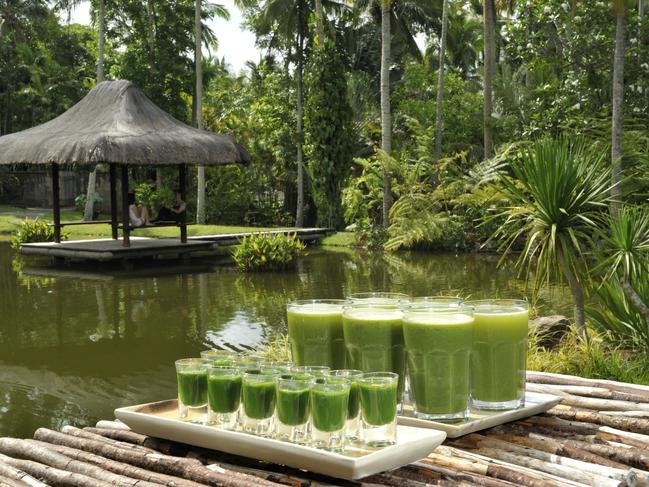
{"x":559,"y":191}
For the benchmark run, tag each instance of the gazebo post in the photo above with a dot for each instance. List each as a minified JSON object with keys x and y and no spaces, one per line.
{"x":113,"y":200}
{"x":56,"y":204}
{"x":126,"y":221}
{"x":182,"y":182}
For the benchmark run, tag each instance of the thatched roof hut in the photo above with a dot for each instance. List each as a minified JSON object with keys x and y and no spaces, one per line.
{"x":116,"y":123}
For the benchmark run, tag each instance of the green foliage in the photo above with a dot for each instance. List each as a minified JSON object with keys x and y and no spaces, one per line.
{"x":593,"y":358}
{"x":33,"y":230}
{"x":146,"y":195}
{"x":267,"y":252}
{"x":327,"y":121}
{"x":559,"y":192}
{"x":80,"y":203}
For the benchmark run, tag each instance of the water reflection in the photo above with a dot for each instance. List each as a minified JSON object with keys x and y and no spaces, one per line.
{"x":77,"y":342}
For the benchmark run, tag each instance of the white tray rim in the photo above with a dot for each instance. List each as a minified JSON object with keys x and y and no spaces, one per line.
{"x":412,"y":445}
{"x":535,"y":403}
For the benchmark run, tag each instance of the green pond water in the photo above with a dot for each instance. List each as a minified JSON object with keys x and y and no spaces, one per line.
{"x":77,"y":342}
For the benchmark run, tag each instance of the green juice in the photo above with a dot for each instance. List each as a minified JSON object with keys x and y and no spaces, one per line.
{"x":498,"y":360}
{"x":192,"y":387}
{"x":378,"y":402}
{"x":259,"y":398}
{"x":315,"y":331}
{"x":374,"y":339}
{"x":329,"y":409}
{"x":353,"y":405}
{"x":439,"y":350}
{"x":224,"y":393}
{"x":293,"y":405}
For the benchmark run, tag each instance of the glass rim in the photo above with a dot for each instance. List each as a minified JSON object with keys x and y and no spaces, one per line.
{"x":191,"y":361}
{"x":260,"y":372}
{"x":289,"y":377}
{"x":224,"y":368}
{"x":439,"y":308}
{"x":388,"y":295}
{"x":392,"y":376}
{"x":219,"y":352}
{"x":503,"y":302}
{"x":302,"y":302}
{"x":435,"y":298}
{"x":345,"y":372}
{"x":328,"y":380}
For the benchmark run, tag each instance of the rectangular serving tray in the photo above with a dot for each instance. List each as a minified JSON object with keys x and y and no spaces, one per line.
{"x":535,"y":403}
{"x":160,"y":419}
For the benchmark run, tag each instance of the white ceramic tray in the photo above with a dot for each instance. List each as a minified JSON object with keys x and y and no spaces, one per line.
{"x":160,"y":419}
{"x":535,"y":403}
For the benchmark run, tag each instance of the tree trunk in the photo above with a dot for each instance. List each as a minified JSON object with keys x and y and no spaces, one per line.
{"x":489,"y":17}
{"x":299,"y":214}
{"x":200,"y":184}
{"x":386,"y":116}
{"x":151,"y":34}
{"x":439,"y":120}
{"x":320,"y":20}
{"x":618,"y":106}
{"x":88,"y":212}
{"x":577,"y":294}
{"x":635,"y":299}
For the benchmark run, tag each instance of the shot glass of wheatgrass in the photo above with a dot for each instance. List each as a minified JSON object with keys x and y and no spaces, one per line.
{"x":329,"y":406}
{"x":293,"y":407}
{"x":258,"y":399}
{"x":219,"y":357}
{"x":378,"y":398}
{"x":314,"y":370}
{"x":191,"y":375}
{"x":223,"y":396}
{"x":352,"y":425}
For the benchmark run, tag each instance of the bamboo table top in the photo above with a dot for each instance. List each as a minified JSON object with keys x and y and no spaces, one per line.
{"x":597,"y":436}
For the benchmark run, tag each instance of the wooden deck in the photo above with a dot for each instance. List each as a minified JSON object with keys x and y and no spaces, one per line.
{"x":598,"y":436}
{"x":107,"y":249}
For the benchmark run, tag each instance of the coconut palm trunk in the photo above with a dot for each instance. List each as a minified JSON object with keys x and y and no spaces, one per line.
{"x":439,"y":116}
{"x":320,"y":20}
{"x":386,"y":115}
{"x":89,"y":209}
{"x":200,"y":177}
{"x":299,"y":131}
{"x":489,"y":19}
{"x":618,"y":104}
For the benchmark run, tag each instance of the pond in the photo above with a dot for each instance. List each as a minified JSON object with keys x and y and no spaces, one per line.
{"x":77,"y":342}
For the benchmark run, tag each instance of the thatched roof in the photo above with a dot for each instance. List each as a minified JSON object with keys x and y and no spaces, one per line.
{"x":117,"y":123}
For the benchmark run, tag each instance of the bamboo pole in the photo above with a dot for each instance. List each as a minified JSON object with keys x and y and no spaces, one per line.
{"x":7,"y":482}
{"x":118,"y":467}
{"x":29,"y":451}
{"x":548,"y":378}
{"x":566,"y":466}
{"x":13,"y":473}
{"x":634,"y":425}
{"x":71,"y":430}
{"x":53,"y":475}
{"x":459,"y":475}
{"x":157,"y":462}
{"x":588,"y":391}
{"x":115,"y":425}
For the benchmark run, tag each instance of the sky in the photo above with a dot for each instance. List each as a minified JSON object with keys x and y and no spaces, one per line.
{"x":236,"y":45}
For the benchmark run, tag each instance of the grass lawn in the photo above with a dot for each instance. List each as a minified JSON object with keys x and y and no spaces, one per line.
{"x":10,"y":223}
{"x":340,"y":239}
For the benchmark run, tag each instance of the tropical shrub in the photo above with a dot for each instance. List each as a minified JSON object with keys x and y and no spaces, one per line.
{"x":146,"y":195}
{"x":559,"y":193}
{"x":267,"y":252}
{"x":80,"y":203}
{"x":33,"y":230}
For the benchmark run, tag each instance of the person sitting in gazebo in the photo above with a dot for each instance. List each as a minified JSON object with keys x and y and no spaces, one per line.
{"x":173,"y":213}
{"x":138,"y":215}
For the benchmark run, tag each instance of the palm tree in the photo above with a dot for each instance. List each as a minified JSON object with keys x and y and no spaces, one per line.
{"x":200,"y":183}
{"x":559,"y":192}
{"x":386,"y":115}
{"x":92,"y":177}
{"x":618,"y":101}
{"x":489,"y":20}
{"x":440,"y":82}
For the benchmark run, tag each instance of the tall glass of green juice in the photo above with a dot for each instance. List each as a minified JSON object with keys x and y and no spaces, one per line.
{"x":372,"y":324}
{"x":439,"y":339}
{"x":191,"y":375}
{"x":315,"y":330}
{"x":223,"y":395}
{"x":498,"y":360}
{"x":293,"y":407}
{"x":258,"y":397}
